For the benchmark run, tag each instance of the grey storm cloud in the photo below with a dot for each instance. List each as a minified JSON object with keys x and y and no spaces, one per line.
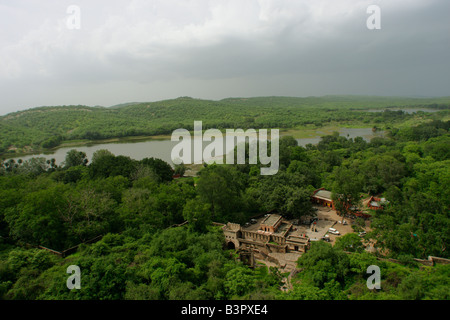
{"x":148,"y":50}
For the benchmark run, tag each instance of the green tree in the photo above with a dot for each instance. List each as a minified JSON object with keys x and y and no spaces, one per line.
{"x":323,"y":263}
{"x":88,"y":213}
{"x":180,"y":169}
{"x":33,"y":166}
{"x":221,"y":187}
{"x":160,"y":167}
{"x":73,"y":174}
{"x":350,"y":242}
{"x":75,"y":158}
{"x":99,"y":154}
{"x":109,"y":165}
{"x":198,"y":214}
{"x":239,"y":281}
{"x":381,"y":172}
{"x":346,"y":190}
{"x":287,"y":144}
{"x":36,"y":218}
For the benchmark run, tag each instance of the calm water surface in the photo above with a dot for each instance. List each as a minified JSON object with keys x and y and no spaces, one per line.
{"x":406,"y":110}
{"x":162,"y":148}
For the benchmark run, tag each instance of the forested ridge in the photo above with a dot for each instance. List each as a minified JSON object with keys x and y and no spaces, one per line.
{"x":42,"y":128}
{"x":134,"y":205}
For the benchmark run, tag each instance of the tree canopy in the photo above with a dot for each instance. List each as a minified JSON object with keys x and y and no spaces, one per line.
{"x":147,"y":250}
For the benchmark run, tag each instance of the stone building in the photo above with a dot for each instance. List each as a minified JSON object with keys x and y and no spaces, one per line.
{"x":271,"y":234}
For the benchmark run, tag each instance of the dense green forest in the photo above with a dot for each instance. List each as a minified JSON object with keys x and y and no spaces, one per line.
{"x":48,"y":127}
{"x":136,"y":206}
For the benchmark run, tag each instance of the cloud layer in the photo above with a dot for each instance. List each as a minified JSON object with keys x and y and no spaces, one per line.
{"x":144,"y":50}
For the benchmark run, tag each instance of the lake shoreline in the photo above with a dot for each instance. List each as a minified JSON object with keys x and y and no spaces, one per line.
{"x":298,"y":133}
{"x":84,"y":143}
{"x":160,"y":146}
{"x":304,"y":132}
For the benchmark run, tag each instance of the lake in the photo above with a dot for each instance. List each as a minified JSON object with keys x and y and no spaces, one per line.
{"x":161,"y":149}
{"x":406,"y":110}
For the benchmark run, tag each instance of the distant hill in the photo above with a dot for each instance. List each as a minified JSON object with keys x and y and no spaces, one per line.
{"x":126,"y":104}
{"x":47,"y":127}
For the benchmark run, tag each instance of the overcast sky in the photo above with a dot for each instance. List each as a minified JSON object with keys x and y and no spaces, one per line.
{"x":148,"y":50}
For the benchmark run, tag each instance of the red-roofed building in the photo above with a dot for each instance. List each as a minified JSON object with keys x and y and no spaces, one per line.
{"x":376,"y":203}
{"x":323,"y":197}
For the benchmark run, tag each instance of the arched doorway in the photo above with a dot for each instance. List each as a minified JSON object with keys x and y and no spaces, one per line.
{"x":231,"y":246}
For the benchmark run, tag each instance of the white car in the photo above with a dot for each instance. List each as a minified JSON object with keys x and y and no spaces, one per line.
{"x":333,"y":231}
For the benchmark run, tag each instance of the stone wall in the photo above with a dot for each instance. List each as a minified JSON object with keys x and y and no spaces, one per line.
{"x":431,"y":261}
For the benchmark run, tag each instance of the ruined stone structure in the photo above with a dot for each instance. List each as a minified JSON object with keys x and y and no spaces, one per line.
{"x":272,"y":234}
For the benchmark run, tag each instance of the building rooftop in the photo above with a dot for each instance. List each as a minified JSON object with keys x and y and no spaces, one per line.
{"x":323,"y":194}
{"x":271,"y":220}
{"x":377,"y":202}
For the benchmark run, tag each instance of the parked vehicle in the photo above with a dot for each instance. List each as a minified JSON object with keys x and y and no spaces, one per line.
{"x":333,"y":231}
